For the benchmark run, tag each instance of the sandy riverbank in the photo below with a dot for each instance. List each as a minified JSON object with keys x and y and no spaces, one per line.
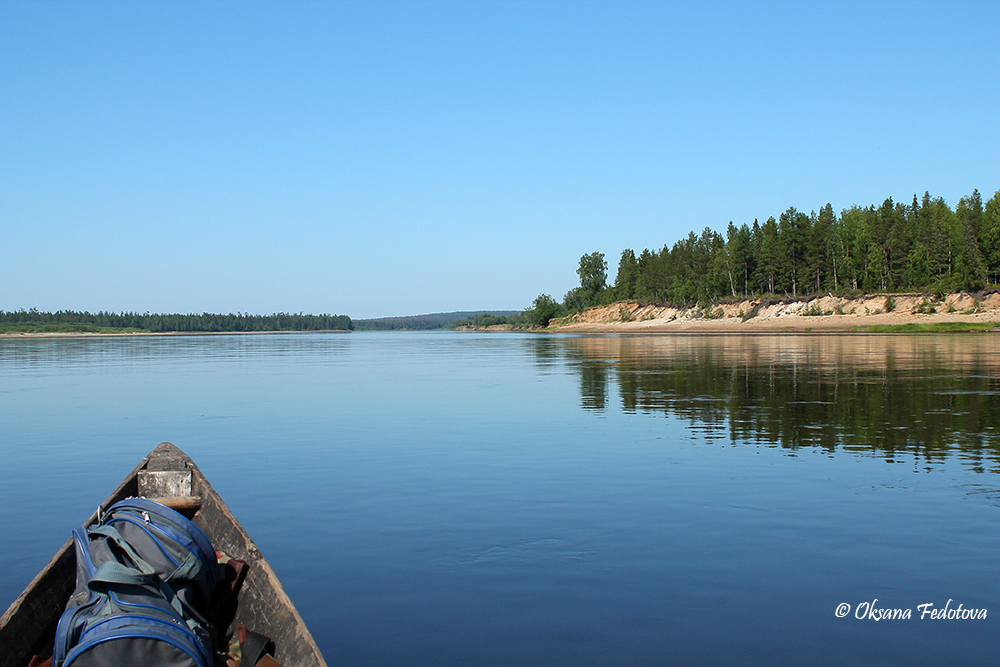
{"x":828,"y":313}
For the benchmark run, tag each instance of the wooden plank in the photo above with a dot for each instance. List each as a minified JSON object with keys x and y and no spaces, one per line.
{"x":164,"y":483}
{"x":184,"y":504}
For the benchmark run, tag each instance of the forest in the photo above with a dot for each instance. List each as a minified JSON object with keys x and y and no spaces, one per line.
{"x":33,"y":321}
{"x":921,"y":246}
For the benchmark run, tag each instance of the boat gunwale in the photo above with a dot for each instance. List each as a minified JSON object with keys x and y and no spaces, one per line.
{"x":262,"y":592}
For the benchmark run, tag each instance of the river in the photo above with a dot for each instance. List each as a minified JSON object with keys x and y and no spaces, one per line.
{"x":444,"y":498}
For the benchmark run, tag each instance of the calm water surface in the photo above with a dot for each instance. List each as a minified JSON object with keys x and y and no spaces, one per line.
{"x":467,"y":499}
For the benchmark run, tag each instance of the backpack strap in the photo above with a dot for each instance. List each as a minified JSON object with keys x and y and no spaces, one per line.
{"x":113,"y":572}
{"x":188,"y":570}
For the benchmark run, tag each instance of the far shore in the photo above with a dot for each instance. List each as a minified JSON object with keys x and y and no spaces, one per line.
{"x":119,"y":334}
{"x":863,"y":314}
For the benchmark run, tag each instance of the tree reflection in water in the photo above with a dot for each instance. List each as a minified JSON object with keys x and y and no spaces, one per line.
{"x":925,"y":395}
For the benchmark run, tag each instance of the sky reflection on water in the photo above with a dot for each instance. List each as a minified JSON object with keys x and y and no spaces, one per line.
{"x":456,"y":499}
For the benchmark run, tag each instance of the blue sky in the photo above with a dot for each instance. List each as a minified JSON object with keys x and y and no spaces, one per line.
{"x":394,"y":158}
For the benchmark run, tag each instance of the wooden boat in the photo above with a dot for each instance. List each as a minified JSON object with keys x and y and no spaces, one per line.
{"x":28,"y":626}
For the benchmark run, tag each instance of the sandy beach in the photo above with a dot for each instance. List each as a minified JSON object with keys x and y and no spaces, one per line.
{"x":821,"y":314}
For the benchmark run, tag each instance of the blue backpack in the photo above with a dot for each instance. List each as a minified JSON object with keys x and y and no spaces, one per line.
{"x":145,"y":577}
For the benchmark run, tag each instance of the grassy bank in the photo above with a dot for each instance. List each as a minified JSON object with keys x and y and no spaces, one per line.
{"x":929,"y":327}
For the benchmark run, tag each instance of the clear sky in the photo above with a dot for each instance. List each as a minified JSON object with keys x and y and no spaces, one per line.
{"x":393,"y":158}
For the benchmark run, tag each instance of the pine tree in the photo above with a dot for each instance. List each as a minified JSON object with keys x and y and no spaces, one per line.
{"x":990,"y":235}
{"x":628,"y":275}
{"x":770,"y":255}
{"x":793,"y":228}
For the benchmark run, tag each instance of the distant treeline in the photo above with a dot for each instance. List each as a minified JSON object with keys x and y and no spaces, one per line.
{"x":489,"y":320}
{"x":922,"y":246}
{"x":433,"y":321}
{"x":71,"y":320}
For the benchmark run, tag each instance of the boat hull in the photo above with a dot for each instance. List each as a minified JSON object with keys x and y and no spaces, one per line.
{"x":28,"y":626}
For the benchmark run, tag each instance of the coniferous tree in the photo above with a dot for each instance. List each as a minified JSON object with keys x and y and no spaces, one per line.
{"x":793,"y":228}
{"x":970,"y":268}
{"x":819,"y":247}
{"x":739,"y":251}
{"x":990,"y":235}
{"x":896,"y":243}
{"x":770,"y":255}
{"x":628,"y":275}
